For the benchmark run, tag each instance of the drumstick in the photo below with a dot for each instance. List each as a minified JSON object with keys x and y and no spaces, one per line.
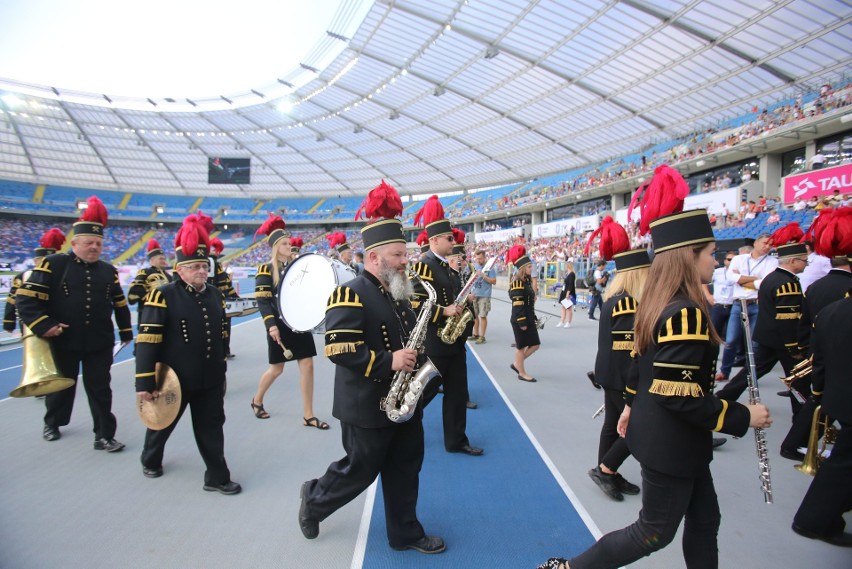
{"x":287,"y":353}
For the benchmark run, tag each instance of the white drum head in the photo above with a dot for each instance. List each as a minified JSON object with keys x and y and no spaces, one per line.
{"x":305,"y":287}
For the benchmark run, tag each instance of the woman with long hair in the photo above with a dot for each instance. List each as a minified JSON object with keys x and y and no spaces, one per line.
{"x":522,"y":295}
{"x":674,"y":412}
{"x":569,"y":291}
{"x":283,"y":343}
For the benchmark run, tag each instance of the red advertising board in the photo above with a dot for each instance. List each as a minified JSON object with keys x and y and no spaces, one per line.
{"x":818,"y":183}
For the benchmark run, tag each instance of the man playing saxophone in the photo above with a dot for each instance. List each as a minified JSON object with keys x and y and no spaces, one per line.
{"x":368,"y":321}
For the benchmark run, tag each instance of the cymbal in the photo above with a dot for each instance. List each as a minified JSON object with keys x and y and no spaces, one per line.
{"x":161,"y":412}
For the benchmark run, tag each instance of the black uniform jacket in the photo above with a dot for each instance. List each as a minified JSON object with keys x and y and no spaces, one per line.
{"x":64,"y":288}
{"x":780,"y":301}
{"x":830,"y":288}
{"x":447,"y":285}
{"x":183,"y":329}
{"x":222,"y":280}
{"x":10,"y":314}
{"x":364,"y":325}
{"x":522,"y":295}
{"x":139,"y":287}
{"x":674,"y":412}
{"x":832,"y":375}
{"x":266,"y":294}
{"x":615,"y":341}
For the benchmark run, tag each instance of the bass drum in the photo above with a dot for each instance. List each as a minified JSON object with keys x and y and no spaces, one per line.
{"x":305,"y":287}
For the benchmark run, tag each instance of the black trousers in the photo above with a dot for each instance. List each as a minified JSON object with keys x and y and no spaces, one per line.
{"x":612,"y":451}
{"x":666,"y":500}
{"x":395,"y":453}
{"x":595,"y":301}
{"x":830,"y":493}
{"x":226,"y":330}
{"x":765,"y":358}
{"x":96,"y":381}
{"x":454,"y":379}
{"x":208,"y":420}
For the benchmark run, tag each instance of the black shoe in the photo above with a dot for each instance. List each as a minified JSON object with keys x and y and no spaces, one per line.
{"x":467,"y":449}
{"x":718,"y":441}
{"x":51,"y":433}
{"x":152,"y":472}
{"x":592,"y":318}
{"x":783,"y":393}
{"x":840,"y":539}
{"x":624,"y":486}
{"x":426,"y":544}
{"x":308,"y":525}
{"x":471,"y":405}
{"x":591,"y":376}
{"x":527,"y":379}
{"x":230,"y":356}
{"x":792,"y":454}
{"x":513,"y":368}
{"x":607,"y":483}
{"x":226,"y":488}
{"x":109,"y":445}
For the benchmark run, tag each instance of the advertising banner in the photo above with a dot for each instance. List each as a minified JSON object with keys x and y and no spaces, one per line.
{"x":713,"y":202}
{"x":818,"y":183}
{"x":564,"y":227}
{"x":499,"y":235}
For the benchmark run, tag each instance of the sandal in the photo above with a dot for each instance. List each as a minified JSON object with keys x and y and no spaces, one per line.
{"x":314,"y":422}
{"x":259,"y":411}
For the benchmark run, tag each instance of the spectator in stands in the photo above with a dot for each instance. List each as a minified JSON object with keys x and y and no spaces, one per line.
{"x":761,"y":204}
{"x":836,"y":199}
{"x":817,"y":161}
{"x":813,"y":202}
{"x":799,"y":204}
{"x":773,"y":217}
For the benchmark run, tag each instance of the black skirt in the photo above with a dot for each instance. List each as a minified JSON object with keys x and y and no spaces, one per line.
{"x":525,"y":338}
{"x":300,"y":343}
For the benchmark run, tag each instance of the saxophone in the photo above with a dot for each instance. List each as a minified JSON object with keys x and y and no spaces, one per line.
{"x":455,"y":325}
{"x":407,"y":386}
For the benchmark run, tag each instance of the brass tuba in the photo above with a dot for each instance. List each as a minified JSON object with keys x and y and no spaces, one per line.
{"x":154,"y":280}
{"x":814,"y":456}
{"x":39,"y":375}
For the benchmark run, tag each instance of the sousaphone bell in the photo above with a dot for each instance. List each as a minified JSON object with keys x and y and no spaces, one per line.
{"x":39,"y":375}
{"x":161,"y":411}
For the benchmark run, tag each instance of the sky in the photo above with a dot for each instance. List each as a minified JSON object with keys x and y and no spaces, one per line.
{"x":158,"y":48}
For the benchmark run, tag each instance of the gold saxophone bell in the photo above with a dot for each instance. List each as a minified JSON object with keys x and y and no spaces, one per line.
{"x":39,"y":375}
{"x":154,"y":280}
{"x":813,"y":458}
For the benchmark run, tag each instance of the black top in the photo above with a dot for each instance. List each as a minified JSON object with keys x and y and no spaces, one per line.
{"x":266,"y":294}
{"x":780,"y":301}
{"x":522,"y":295}
{"x":65,"y":289}
{"x":139,"y":288}
{"x":615,"y":341}
{"x":569,"y":284}
{"x":447,"y":285}
{"x":822,"y":292}
{"x":675,"y":412}
{"x":222,"y":280}
{"x":182,"y":328}
{"x":364,"y":325}
{"x":10,"y":314}
{"x":831,"y":377}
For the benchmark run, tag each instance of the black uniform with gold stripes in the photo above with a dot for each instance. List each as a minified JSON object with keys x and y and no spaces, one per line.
{"x":142,"y":284}
{"x":522,"y":295}
{"x":183,"y":328}
{"x":10,"y":313}
{"x":65,"y":289}
{"x":364,"y":326}
{"x":776,"y":333}
{"x":450,"y":359}
{"x":266,"y":293}
{"x":222,"y":280}
{"x":612,"y":364}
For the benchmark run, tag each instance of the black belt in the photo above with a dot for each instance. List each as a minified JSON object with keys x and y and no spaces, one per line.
{"x":723,"y":305}
{"x":749,"y":301}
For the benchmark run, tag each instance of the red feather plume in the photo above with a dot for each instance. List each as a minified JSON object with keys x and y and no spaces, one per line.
{"x":206,"y":222}
{"x":833,"y":237}
{"x":458,"y":235}
{"x":515,"y":253}
{"x":217,"y":246}
{"x":95,"y":211}
{"x":296,"y":242}
{"x":614,"y":239}
{"x":423,"y":238}
{"x":272,"y":223}
{"x":383,"y":201}
{"x":152,"y":244}
{"x":790,"y":233}
{"x":335,"y":239}
{"x":431,"y":211}
{"x":53,"y":238}
{"x":823,"y":217}
{"x":191,"y":234}
{"x":663,"y":194}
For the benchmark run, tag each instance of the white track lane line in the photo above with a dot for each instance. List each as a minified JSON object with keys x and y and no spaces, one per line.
{"x":364,"y":528}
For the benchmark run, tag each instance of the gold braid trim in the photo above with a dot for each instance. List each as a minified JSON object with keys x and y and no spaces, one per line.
{"x":623,"y":345}
{"x":792,"y":316}
{"x":149,"y":339}
{"x":263,"y":294}
{"x":32,"y":293}
{"x":341,"y":348}
{"x":676,"y":388}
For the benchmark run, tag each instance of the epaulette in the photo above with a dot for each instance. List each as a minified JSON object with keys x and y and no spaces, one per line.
{"x":44,"y":266}
{"x":517,"y":284}
{"x":155,"y":298}
{"x":264,"y":270}
{"x":343,"y":296}
{"x":689,"y":324}
{"x":626,"y":305}
{"x":423,"y":270}
{"x":789,"y":289}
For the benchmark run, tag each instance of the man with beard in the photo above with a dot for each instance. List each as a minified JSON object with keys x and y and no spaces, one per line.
{"x":368,"y":320}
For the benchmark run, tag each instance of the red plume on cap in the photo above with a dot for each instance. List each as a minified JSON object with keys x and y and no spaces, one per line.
{"x":152,"y":244}
{"x":423,"y":238}
{"x":272,"y":223}
{"x":614,"y":239}
{"x":296,"y":242}
{"x":458,"y":235}
{"x":431,"y":211}
{"x":95,"y":211}
{"x":833,"y":237}
{"x":335,"y":239}
{"x":190,"y":235}
{"x":515,"y":253}
{"x":217,"y":246}
{"x":663,"y":194}
{"x":53,"y":238}
{"x":790,"y":233}
{"x":823,"y":216}
{"x":383,"y":201}
{"x":206,"y":222}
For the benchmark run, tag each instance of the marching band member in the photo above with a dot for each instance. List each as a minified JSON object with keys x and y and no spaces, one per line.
{"x":368,"y":320}
{"x":156,"y":272}
{"x":222,"y":280}
{"x":49,"y":243}
{"x":80,"y":293}
{"x":282,"y":342}
{"x":296,"y":244}
{"x":337,"y":241}
{"x":673,"y":412}
{"x":182,"y":326}
{"x":450,"y":359}
{"x":615,"y":346}
{"x":522,"y":294}
{"x":423,"y":241}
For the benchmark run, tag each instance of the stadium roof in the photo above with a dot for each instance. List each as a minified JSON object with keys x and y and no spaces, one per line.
{"x":441,"y":95}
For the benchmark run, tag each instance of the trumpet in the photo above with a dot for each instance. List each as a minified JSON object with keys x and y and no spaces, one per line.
{"x":800,"y":370}
{"x":814,"y":457}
